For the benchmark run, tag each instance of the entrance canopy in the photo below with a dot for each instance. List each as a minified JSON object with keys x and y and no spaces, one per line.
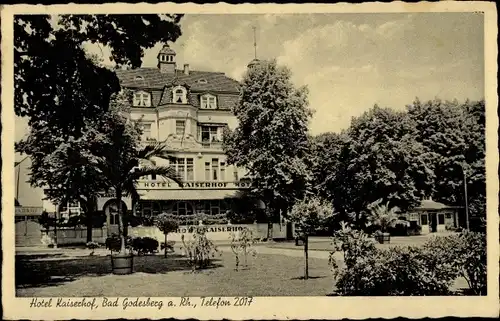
{"x":187,"y":195}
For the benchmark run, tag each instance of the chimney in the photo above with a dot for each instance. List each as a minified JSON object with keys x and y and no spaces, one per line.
{"x":186,"y":69}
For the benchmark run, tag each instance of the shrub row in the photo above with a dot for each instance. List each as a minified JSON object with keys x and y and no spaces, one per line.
{"x":428,"y":270}
{"x":140,"y":245}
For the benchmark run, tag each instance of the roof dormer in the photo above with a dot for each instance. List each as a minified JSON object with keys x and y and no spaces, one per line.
{"x":179,"y":95}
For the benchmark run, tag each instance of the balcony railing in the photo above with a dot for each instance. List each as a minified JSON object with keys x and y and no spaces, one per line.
{"x":211,"y":144}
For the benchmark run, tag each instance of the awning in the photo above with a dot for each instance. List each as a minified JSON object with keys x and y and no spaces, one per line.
{"x":187,"y":195}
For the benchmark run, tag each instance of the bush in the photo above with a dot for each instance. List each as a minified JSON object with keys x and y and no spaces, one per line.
{"x":113,"y":243}
{"x":145,"y":245}
{"x":199,"y":250}
{"x":466,"y":254}
{"x":352,"y":243}
{"x":396,"y":271}
{"x":134,"y":220}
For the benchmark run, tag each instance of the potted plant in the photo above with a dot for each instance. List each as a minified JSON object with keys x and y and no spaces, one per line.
{"x":383,"y":217}
{"x":121,"y":159}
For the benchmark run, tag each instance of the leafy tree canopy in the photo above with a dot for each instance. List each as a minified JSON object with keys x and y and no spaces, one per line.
{"x":402,"y":157}
{"x":271,"y":139}
{"x":64,"y":92}
{"x":54,"y":79}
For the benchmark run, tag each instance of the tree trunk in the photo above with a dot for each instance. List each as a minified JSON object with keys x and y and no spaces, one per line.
{"x":306,"y":257}
{"x":165,"y":245}
{"x":120,"y":222}
{"x":270,"y":216}
{"x":90,"y":210}
{"x":55,"y":227}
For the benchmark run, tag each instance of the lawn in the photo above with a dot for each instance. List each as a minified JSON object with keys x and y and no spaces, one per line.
{"x":269,"y":275}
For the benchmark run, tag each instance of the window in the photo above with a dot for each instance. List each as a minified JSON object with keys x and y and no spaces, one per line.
{"x":209,"y":135}
{"x":215,"y":171}
{"x":441,"y":219}
{"x":142,"y":99}
{"x":215,"y":168}
{"x":113,"y":213}
{"x":181,"y":169}
{"x":149,"y":209}
{"x":190,"y":170}
{"x":208,"y":102}
{"x":222,"y":171}
{"x":180,"y":127}
{"x":166,"y":58}
{"x":424,"y":219}
{"x":153,"y":177}
{"x":236,"y":178}
{"x":207,"y":171}
{"x":184,"y":168}
{"x":213,"y":207}
{"x":179,"y":95}
{"x":184,"y":208}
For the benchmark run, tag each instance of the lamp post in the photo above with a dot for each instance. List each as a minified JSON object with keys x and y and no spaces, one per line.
{"x":465,"y":196}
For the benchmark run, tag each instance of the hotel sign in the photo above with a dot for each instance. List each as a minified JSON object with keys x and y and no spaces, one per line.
{"x":209,"y":229}
{"x":193,"y":185}
{"x":28,"y":210}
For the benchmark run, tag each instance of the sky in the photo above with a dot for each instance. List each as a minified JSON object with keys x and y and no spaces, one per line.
{"x":349,"y":62}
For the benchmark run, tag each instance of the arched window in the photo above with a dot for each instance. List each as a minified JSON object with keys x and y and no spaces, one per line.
{"x":142,"y":99}
{"x":111,"y":211}
{"x":179,"y":95}
{"x":208,"y":102}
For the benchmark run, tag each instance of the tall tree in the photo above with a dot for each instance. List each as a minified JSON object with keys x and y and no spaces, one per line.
{"x":61,"y":90}
{"x":271,"y":139}
{"x":453,"y":134}
{"x":376,"y":158}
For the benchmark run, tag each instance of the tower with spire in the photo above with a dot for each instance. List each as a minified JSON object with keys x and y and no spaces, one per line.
{"x":166,"y":60}
{"x":255,"y":61}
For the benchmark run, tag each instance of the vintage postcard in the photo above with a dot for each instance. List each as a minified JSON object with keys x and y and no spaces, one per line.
{"x":250,"y":161}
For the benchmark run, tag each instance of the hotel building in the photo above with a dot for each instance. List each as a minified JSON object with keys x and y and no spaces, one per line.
{"x":189,"y":110}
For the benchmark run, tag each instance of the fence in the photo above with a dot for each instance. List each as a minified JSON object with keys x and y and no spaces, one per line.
{"x":219,"y":232}
{"x":74,"y":235}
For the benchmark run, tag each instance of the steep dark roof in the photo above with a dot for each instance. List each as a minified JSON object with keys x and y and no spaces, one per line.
{"x":431,"y":205}
{"x":196,"y":80}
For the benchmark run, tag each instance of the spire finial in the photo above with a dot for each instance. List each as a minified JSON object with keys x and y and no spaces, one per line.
{"x":254,"y":41}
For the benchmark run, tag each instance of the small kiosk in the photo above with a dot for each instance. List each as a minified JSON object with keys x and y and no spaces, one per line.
{"x":434,"y":217}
